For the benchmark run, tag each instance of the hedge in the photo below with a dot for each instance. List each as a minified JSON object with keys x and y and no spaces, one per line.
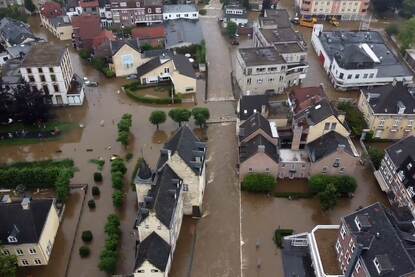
{"x":280,"y":234}
{"x":109,"y":255}
{"x":149,"y":100}
{"x":258,"y":182}
{"x":294,"y":195}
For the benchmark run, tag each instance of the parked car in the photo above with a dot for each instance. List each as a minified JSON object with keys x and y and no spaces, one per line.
{"x":89,"y":83}
{"x":132,"y":77}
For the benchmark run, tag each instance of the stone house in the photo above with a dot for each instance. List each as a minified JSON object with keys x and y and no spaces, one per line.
{"x":126,"y":56}
{"x":332,"y":154}
{"x":28,"y":230}
{"x":389,"y":110}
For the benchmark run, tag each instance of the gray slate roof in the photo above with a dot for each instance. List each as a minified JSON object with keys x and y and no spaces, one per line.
{"x":182,"y":31}
{"x":60,"y":21}
{"x":29,"y":223}
{"x":255,"y":122}
{"x":326,"y":145}
{"x":387,"y":99}
{"x":117,"y":44}
{"x":154,"y":250}
{"x":14,"y":31}
{"x":185,"y":143}
{"x":249,"y":103}
{"x":179,"y":8}
{"x":149,"y":66}
{"x":183,"y":65}
{"x":250,"y":148}
{"x":401,"y":150}
{"x":383,"y":239}
{"x":316,"y":113}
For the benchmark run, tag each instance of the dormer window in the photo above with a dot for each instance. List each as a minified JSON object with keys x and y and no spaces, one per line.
{"x":245,"y":111}
{"x":343,"y":232}
{"x":11,"y":239}
{"x":357,"y":222}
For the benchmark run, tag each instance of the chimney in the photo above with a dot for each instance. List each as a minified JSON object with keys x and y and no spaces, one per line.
{"x":401,"y":107}
{"x":261,"y":148}
{"x":297,"y":132}
{"x":394,"y":82}
{"x":25,"y":203}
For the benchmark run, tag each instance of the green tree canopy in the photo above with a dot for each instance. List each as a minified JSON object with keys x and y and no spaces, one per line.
{"x":376,"y":156}
{"x":8,"y":265}
{"x":180,"y":115}
{"x":407,"y":34}
{"x":117,"y":198}
{"x":328,"y":197}
{"x":200,"y":115}
{"x":231,"y":28}
{"x":259,"y":182}
{"x":157,"y":118}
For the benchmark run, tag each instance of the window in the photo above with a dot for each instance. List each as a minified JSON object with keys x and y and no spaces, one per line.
{"x":324,"y":170}
{"x":381,"y":123}
{"x":19,"y":252}
{"x":6,"y":252}
{"x":32,"y":251}
{"x":25,"y":262}
{"x":410,"y":122}
{"x":396,"y":123}
{"x":140,"y":271}
{"x":267,"y":169}
{"x":154,"y":270}
{"x":149,"y":10}
{"x":185,"y":187}
{"x":343,"y":232}
{"x":333,"y":126}
{"x":42,"y":78}
{"x":248,"y":81}
{"x":341,"y":76}
{"x":53,"y":77}
{"x":365,"y":76}
{"x":349,"y":76}
{"x":127,"y":61}
{"x":49,"y":248}
{"x":348,"y":259}
{"x":357,"y":267}
{"x":357,"y":222}
{"x":40,"y":70}
{"x":166,"y":70}
{"x":371,"y":75}
{"x":259,"y":81}
{"x":336,"y":163}
{"x":250,"y":169}
{"x":353,"y":248}
{"x":338,"y":246}
{"x":38,"y":262}
{"x":29,"y":71}
{"x":326,"y":126}
{"x":357,"y":76}
{"x":56,"y":88}
{"x":377,"y":264}
{"x":147,"y":226}
{"x":51,"y":69}
{"x":31,"y":79}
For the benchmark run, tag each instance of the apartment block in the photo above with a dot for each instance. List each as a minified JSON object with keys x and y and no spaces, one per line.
{"x":343,"y":9}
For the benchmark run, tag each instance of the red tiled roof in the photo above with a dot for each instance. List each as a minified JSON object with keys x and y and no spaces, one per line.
{"x":306,"y":97}
{"x":51,"y":9}
{"x":89,"y":26}
{"x":151,"y":32}
{"x":102,"y":37}
{"x":89,"y":4}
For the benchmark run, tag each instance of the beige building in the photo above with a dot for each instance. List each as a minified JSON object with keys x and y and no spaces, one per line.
{"x":59,"y":26}
{"x":332,"y":154}
{"x":177,"y":69}
{"x":48,"y":67}
{"x":126,"y":57}
{"x":28,"y":230}
{"x":389,"y":110}
{"x":345,"y":9}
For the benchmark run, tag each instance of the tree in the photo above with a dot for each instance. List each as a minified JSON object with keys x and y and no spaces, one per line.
{"x":84,"y":251}
{"x":123,"y":138}
{"x":408,"y":8}
{"x":87,"y":236}
{"x":259,"y":182}
{"x":62,"y":185}
{"x":8,"y":265}
{"x":392,"y":29}
{"x":98,"y":177}
{"x":376,"y":156}
{"x":382,"y":6}
{"x":118,"y":165}
{"x":328,"y":197}
{"x":157,"y":118}
{"x":245,"y":3}
{"x":95,"y":191}
{"x":108,"y":263}
{"x":117,"y":198}
{"x":201,"y":115}
{"x":180,"y":115}
{"x":28,"y":4}
{"x":231,"y":28}
{"x":406,"y":36}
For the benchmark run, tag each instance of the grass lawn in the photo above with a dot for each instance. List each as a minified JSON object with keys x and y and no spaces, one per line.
{"x":64,"y":127}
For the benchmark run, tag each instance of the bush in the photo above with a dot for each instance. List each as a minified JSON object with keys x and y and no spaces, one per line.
{"x":117,"y":198}
{"x":392,"y":29}
{"x":84,"y":251}
{"x":91,"y":204}
{"x":279,"y":235}
{"x":354,"y":117}
{"x":109,"y":256}
{"x":98,"y":177}
{"x":95,"y":191}
{"x":117,"y":180}
{"x":202,"y":12}
{"x":328,"y":197}
{"x":118,"y":165}
{"x":87,"y":236}
{"x":258,"y":182}
{"x":109,"y":73}
{"x":376,"y":156}
{"x":157,"y":101}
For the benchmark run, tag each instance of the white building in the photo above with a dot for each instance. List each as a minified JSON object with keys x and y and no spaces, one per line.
{"x":356,"y":59}
{"x":344,"y":9}
{"x":186,"y":11}
{"x":28,"y":230}
{"x":236,"y":14}
{"x":264,"y":69}
{"x":174,"y":190}
{"x":49,"y":68}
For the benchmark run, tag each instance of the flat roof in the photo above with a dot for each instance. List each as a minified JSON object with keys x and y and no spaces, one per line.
{"x":343,"y":45}
{"x":288,"y":155}
{"x":261,"y":56}
{"x":281,"y":35}
{"x":44,"y":54}
{"x":326,"y":243}
{"x":180,"y":8}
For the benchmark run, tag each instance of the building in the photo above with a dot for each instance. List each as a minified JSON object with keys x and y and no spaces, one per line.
{"x":126,"y":57}
{"x":129,"y":13}
{"x":389,"y":110}
{"x":154,"y":35}
{"x":89,"y":7}
{"x":235,"y":13}
{"x":332,"y":154}
{"x":14,"y":32}
{"x":182,"y":32}
{"x":357,"y":59}
{"x":174,"y":189}
{"x":85,"y":29}
{"x":396,"y":173}
{"x":175,"y":68}
{"x":343,"y":9}
{"x":52,"y":17}
{"x":28,"y":229}
{"x":49,"y":68}
{"x":172,"y":12}
{"x":303,"y":98}
{"x":372,"y":241}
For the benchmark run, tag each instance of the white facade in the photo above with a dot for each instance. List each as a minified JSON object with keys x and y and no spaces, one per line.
{"x":172,"y":12}
{"x":149,"y":270}
{"x":345,"y":9}
{"x":55,"y":80}
{"x":344,"y":79}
